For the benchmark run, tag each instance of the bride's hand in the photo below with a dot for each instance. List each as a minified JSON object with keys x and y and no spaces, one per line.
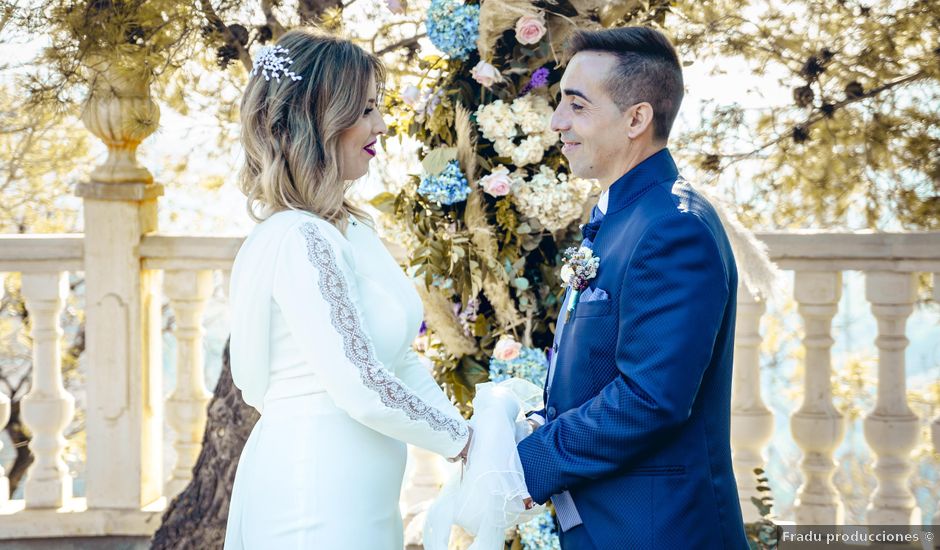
{"x":529,"y":503}
{"x":462,"y":455}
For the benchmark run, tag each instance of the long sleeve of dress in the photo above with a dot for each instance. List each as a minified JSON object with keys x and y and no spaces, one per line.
{"x":417,"y":377}
{"x":315,"y":290}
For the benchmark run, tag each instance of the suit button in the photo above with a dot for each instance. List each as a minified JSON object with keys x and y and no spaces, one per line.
{"x":551,"y":413}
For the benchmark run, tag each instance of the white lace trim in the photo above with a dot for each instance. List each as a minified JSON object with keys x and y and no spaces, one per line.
{"x":358,"y":347}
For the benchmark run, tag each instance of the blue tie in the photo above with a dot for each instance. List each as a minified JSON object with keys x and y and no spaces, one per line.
{"x":589,"y":230}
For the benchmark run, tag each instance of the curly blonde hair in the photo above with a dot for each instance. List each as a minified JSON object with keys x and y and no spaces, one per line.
{"x":291,"y":129}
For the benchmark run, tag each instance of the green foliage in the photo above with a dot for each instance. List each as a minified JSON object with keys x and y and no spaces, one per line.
{"x":762,"y":534}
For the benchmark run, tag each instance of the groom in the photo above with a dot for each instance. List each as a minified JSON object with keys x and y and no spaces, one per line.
{"x":633,"y":445}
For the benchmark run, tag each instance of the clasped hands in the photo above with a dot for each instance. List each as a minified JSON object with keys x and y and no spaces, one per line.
{"x":463,"y":454}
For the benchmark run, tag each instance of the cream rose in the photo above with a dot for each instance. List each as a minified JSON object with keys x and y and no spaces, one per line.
{"x":530,"y":28}
{"x":485,"y":74}
{"x":497,"y":183}
{"x":507,"y":349}
{"x":411,"y":96}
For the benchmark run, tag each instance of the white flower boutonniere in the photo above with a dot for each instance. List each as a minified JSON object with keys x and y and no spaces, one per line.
{"x":580,"y":266}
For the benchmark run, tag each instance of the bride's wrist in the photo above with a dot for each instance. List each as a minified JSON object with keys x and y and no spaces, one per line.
{"x":462,"y":455}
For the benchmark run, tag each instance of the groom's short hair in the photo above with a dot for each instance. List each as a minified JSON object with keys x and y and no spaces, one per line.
{"x":647,"y":69}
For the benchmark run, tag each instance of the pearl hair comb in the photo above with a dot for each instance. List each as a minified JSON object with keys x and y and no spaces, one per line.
{"x":272,"y":62}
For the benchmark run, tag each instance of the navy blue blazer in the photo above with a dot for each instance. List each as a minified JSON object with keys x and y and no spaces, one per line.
{"x":638,"y":417}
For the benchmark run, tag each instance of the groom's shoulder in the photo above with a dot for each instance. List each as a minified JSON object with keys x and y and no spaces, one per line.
{"x":677,"y":209}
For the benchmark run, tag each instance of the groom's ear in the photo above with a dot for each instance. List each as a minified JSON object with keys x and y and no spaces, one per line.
{"x":640,"y":119}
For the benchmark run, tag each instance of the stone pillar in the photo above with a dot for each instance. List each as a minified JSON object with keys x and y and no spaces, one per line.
{"x":188,"y":292}
{"x":752,"y":423}
{"x":817,"y":426}
{"x":124,"y":422}
{"x":4,"y":418}
{"x":47,"y":408}
{"x":892,"y":429}
{"x":935,"y":435}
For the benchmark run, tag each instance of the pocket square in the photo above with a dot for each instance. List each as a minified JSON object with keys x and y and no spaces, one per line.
{"x":594,"y":295}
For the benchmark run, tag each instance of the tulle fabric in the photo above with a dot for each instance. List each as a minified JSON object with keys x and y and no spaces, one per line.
{"x":487,"y":498}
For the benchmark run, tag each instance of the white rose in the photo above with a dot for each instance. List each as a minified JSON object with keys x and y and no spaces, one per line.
{"x":566,"y":273}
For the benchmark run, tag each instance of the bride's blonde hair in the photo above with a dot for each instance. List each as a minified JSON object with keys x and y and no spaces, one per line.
{"x":290,"y":129}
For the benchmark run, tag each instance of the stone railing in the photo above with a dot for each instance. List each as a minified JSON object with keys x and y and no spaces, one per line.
{"x":125,"y":412}
{"x":889,"y":263}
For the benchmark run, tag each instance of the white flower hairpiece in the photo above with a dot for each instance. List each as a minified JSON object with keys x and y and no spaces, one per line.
{"x":273,"y":62}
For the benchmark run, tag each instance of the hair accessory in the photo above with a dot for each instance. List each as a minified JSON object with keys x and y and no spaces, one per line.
{"x":273,"y":62}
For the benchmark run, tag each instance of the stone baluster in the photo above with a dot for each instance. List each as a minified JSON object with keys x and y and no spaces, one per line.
{"x":5,"y":407}
{"x":891,"y":429}
{"x":47,"y":408}
{"x":124,"y":419}
{"x":188,"y":292}
{"x":935,"y":425}
{"x":817,"y":426}
{"x":752,"y":423}
{"x":423,"y":484}
{"x":935,"y":434}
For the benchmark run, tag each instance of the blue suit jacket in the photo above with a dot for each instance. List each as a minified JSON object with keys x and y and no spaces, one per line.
{"x":638,"y":416}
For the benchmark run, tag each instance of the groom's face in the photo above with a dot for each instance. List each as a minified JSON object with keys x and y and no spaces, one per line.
{"x":593,"y":129}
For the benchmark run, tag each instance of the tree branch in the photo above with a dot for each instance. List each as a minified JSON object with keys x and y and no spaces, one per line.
{"x":819,"y":115}
{"x":210,"y":14}
{"x":408,"y":42}
{"x":277,"y":29}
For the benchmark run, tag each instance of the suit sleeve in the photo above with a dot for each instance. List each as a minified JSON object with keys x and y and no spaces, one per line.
{"x":672,"y":302}
{"x":315,"y":289}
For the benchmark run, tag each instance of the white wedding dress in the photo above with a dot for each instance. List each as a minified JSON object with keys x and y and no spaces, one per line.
{"x":322,"y":326}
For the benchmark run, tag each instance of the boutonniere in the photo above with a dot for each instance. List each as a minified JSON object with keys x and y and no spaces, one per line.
{"x":580,"y":266}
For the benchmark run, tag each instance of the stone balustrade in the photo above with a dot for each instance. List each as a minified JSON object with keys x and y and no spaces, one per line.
{"x":125,"y":487}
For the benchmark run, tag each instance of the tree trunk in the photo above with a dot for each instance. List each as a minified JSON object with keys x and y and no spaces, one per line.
{"x":196,"y":518}
{"x":20,"y":439}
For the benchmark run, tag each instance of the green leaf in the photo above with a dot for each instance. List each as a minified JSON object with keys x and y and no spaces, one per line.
{"x":436,"y":161}
{"x":384,"y":202}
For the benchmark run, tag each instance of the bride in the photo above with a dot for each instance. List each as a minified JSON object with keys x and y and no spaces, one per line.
{"x":322,"y":316}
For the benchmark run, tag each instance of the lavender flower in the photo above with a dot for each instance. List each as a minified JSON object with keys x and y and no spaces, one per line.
{"x":539,"y":79}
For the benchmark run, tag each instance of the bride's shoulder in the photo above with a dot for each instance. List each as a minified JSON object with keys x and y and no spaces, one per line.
{"x":294,"y":223}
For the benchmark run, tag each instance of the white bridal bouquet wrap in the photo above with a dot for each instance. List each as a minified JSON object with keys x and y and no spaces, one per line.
{"x":486,"y":498}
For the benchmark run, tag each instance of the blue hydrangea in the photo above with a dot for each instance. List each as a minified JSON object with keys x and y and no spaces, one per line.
{"x":530,"y":365}
{"x":453,"y":27}
{"x":539,"y":534}
{"x":448,"y":187}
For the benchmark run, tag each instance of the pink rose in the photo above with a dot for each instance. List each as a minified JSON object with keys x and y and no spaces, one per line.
{"x":411,"y":95}
{"x":497,"y":183}
{"x":530,"y":28}
{"x":485,"y":74}
{"x":507,"y":349}
{"x":396,"y":6}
